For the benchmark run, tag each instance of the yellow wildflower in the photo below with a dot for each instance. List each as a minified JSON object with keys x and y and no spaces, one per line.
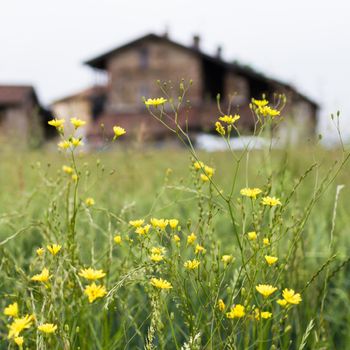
{"x":199,"y":249}
{"x":117,"y":239}
{"x":176,"y":238}
{"x":77,"y":123}
{"x":160,"y":223}
{"x":204,"y":177}
{"x":252,"y":236}
{"x":219,"y":128}
{"x":226,"y":259}
{"x":11,"y":310}
{"x":271,"y":259}
{"x":143,"y":230}
{"x":47,"y":328}
{"x":57,"y":123}
{"x":270,"y":201}
{"x":266,"y":241}
{"x":263,"y":314}
{"x":91,"y":274}
{"x":154,"y":222}
{"x":265,"y":289}
{"x":136,"y":223}
{"x":75,"y":177}
{"x":19,"y":341}
{"x":155,"y":101}
{"x":260,"y":103}
{"x":229,"y":119}
{"x":157,"y":250}
{"x":67,"y":169}
{"x":54,"y":248}
{"x":221,"y":305}
{"x":89,"y":202}
{"x":40,"y":251}
{"x":65,"y":144}
{"x":282,"y":302}
{"x":191,"y":264}
{"x":156,"y":257}
{"x":173,"y":223}
{"x":268,"y":111}
{"x":42,"y":277}
{"x":160,"y":283}
{"x":76,"y":142}
{"x":198,"y":165}
{"x":209,"y":171}
{"x":94,"y":291}
{"x":118,"y":131}
{"x":266,"y":314}
{"x":291,"y":297}
{"x":191,"y":238}
{"x":237,"y":311}
{"x":19,"y":324}
{"x":250,"y":192}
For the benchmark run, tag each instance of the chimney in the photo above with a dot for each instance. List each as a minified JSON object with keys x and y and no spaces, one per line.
{"x":196,"y":41}
{"x":219,"y":52}
{"x":166,"y":33}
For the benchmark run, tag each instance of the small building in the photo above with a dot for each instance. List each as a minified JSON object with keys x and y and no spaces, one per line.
{"x":133,"y":69}
{"x":22,"y":118}
{"x":87,"y":105}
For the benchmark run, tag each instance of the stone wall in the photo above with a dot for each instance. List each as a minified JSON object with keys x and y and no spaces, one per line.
{"x":133,"y":74}
{"x":14,"y":124}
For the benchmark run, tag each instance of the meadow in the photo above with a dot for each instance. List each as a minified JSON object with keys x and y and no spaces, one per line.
{"x":173,"y":248}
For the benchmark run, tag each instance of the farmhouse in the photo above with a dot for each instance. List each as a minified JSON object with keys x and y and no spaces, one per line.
{"x":133,"y":69}
{"x":21,"y":116}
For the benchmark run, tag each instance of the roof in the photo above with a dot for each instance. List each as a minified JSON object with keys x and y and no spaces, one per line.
{"x":100,"y":62}
{"x":87,"y":93}
{"x":16,"y":94}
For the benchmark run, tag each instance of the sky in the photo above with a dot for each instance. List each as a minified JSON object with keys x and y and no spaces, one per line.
{"x":302,"y":42}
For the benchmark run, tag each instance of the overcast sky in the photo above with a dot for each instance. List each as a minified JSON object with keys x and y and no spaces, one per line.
{"x":303,"y":42}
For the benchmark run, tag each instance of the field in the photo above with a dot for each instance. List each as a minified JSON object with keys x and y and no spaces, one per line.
{"x":203,"y":275}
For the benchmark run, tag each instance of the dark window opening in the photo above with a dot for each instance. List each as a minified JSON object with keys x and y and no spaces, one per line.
{"x":213,"y":80}
{"x":2,"y":115}
{"x":97,"y":103}
{"x":46,"y":115}
{"x":258,"y":88}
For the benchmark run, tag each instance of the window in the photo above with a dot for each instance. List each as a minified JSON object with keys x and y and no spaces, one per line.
{"x":143,"y":91}
{"x":144,"y":57}
{"x":2,"y":115}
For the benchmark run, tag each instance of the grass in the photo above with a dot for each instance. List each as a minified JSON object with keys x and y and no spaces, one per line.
{"x":168,"y":286}
{"x":143,"y":186}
